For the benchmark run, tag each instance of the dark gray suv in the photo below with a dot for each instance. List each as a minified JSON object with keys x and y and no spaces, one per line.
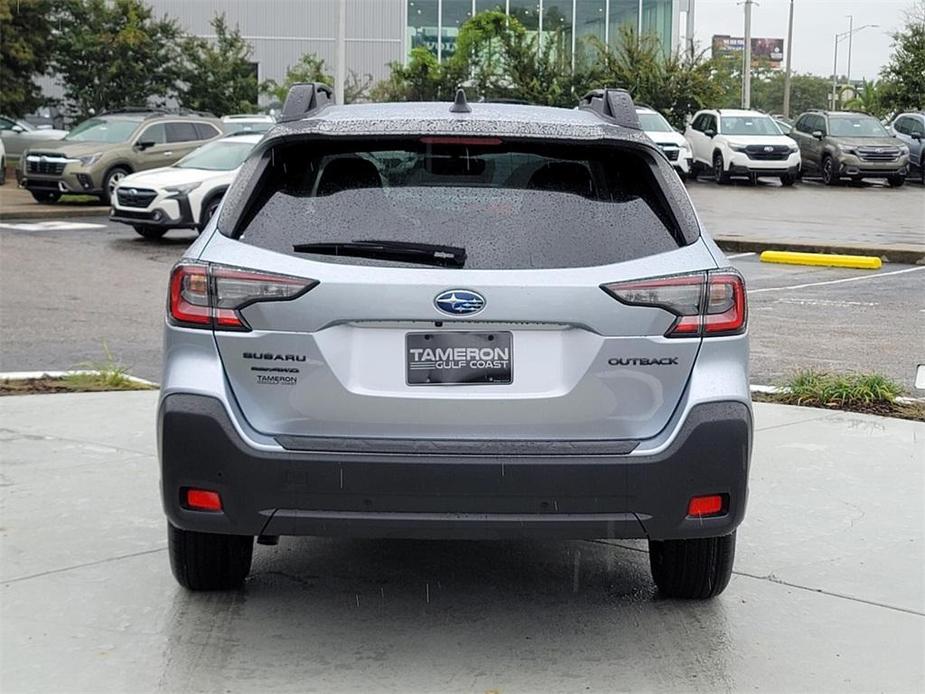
{"x":845,"y":144}
{"x":435,"y":320}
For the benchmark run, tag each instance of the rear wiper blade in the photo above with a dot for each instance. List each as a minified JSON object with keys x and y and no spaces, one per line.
{"x":402,"y":251}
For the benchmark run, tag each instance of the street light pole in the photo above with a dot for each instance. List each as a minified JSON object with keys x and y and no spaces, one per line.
{"x":747,"y":67}
{"x":340,"y":53}
{"x":839,"y":38}
{"x":835,"y":74}
{"x":850,"y":41}
{"x":787,"y":68}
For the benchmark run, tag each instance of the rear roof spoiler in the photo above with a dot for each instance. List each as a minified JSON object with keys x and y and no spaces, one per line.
{"x":305,"y":98}
{"x":614,"y":105}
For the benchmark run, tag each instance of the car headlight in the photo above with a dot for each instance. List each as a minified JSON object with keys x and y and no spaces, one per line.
{"x":903,"y":150}
{"x":738,"y":148}
{"x":846,"y":150}
{"x":89,"y":159}
{"x":794,"y":149}
{"x":179,"y":191}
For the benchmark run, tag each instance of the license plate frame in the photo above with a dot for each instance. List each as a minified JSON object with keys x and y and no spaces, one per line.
{"x":485,"y":367}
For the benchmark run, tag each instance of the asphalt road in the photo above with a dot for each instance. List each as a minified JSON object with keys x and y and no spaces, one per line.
{"x":68,"y":296}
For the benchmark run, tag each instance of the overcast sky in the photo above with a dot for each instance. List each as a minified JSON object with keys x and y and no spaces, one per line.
{"x":814,"y":25}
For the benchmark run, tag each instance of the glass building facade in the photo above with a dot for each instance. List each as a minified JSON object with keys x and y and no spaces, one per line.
{"x":570,"y":24}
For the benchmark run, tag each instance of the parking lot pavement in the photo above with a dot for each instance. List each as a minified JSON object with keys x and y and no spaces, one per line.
{"x":834,"y":319}
{"x":828,"y":594}
{"x":867,"y":214}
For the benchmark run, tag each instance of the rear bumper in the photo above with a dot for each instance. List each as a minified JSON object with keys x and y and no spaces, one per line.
{"x":358,"y":492}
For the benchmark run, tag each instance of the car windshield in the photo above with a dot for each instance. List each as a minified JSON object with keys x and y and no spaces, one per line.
{"x":102,"y":130}
{"x":654,"y":123}
{"x":749,"y":125}
{"x":856,"y":126}
{"x":217,"y":156}
{"x":508,"y":204}
{"x":247,"y":126}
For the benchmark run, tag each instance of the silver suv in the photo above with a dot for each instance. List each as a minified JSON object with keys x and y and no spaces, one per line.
{"x":434,"y":320}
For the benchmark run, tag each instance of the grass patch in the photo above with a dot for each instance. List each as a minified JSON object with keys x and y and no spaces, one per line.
{"x":856,"y":392}
{"x":79,"y":199}
{"x":92,"y":377}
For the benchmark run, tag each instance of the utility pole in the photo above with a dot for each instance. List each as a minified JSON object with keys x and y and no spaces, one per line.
{"x":850,"y":41}
{"x":747,"y":67}
{"x":340,"y":53}
{"x":835,"y":76}
{"x":787,"y":67}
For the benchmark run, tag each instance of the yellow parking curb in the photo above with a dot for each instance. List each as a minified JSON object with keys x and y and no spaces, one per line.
{"x":860,"y":262}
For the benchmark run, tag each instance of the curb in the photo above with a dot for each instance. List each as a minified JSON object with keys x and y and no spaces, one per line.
{"x":858,"y":262}
{"x":57,"y":213}
{"x":898,"y":253}
{"x":33,"y":375}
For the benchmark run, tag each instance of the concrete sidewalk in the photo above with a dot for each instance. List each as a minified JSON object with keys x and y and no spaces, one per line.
{"x":828,"y":595}
{"x":18,"y":204}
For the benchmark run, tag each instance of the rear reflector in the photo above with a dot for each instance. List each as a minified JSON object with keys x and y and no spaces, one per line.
{"x":706,"y":506}
{"x":212,"y":296}
{"x":709,"y":304}
{"x":203,"y":500}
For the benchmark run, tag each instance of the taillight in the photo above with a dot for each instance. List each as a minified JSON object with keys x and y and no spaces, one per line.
{"x":708,"y":304}
{"x":212,"y":296}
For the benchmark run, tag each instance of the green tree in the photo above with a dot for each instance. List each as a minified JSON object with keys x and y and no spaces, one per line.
{"x":422,"y":79}
{"x":672,"y":83}
{"x":218,"y":75}
{"x":24,"y":53}
{"x":904,"y":76}
{"x":869,"y":99}
{"x":806,"y":92}
{"x":112,"y":53}
{"x":310,"y":68}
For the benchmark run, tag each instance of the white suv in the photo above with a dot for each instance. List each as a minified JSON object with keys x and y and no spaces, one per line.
{"x":731,"y":142}
{"x":185,"y":195}
{"x":671,"y":142}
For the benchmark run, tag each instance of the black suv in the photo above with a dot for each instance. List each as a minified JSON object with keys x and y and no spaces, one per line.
{"x":847,"y":144}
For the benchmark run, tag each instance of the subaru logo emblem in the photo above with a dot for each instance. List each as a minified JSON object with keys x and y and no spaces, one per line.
{"x":769,"y":148}
{"x":134,"y":191}
{"x":459,"y":302}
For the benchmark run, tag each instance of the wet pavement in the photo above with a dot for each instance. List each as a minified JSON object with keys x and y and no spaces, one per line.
{"x":828,"y":594}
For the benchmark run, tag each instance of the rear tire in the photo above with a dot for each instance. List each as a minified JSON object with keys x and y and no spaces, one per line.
{"x":719,"y":169}
{"x":2,"y":171}
{"x":45,"y":196}
{"x":207,"y":561}
{"x":896,"y":181}
{"x":692,"y":569}
{"x":151,"y":233}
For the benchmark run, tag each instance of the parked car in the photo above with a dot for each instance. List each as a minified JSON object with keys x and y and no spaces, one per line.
{"x":247,"y":122}
{"x":846,"y":144}
{"x":182,"y":196}
{"x":101,"y":151}
{"x":455,"y":321}
{"x":19,"y":135}
{"x":671,"y":142}
{"x":784,"y":124}
{"x":909,"y":128}
{"x":732,"y":142}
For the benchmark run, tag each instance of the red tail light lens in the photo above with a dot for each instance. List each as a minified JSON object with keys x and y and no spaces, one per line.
{"x":706,"y":506}
{"x":202,"y":500}
{"x":707,"y":304}
{"x":212,"y":296}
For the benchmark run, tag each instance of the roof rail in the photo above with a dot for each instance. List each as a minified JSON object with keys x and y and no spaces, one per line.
{"x":615,"y":105}
{"x":304,"y":98}
{"x":191,"y":112}
{"x":138,"y":110}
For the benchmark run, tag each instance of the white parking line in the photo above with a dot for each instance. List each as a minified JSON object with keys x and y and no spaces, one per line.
{"x":845,"y":279}
{"x":740,"y":255}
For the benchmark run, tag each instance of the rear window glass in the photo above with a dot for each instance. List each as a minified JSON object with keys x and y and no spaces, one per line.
{"x":510,"y":205}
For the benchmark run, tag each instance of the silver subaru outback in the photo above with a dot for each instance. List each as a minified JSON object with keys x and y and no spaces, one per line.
{"x":435,"y":320}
